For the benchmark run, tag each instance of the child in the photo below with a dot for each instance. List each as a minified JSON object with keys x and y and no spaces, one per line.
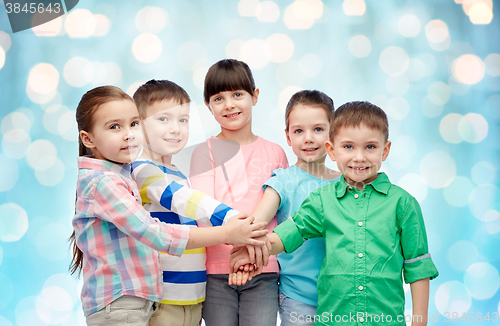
{"x":116,"y":239}
{"x":232,"y":168}
{"x":164,"y":112}
{"x":373,"y":230}
{"x":307,"y":119}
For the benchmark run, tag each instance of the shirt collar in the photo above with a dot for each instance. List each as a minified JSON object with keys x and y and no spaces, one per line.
{"x":381,"y":185}
{"x":89,"y":162}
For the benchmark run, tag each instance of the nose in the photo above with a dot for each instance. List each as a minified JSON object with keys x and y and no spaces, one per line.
{"x":308,"y":137}
{"x":174,"y":128}
{"x":229,"y":104}
{"x":359,"y":156}
{"x":129,"y":134}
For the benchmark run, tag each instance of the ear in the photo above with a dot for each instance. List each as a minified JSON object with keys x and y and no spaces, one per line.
{"x":387,"y":148}
{"x":209,"y":108}
{"x":86,"y":138}
{"x":255,"y":96}
{"x":329,"y":150}
{"x":288,"y":140}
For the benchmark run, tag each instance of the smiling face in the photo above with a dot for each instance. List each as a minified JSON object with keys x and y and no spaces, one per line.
{"x":359,"y":153}
{"x":233,"y":109}
{"x":307,"y":133}
{"x":116,"y":134}
{"x":166,"y":129}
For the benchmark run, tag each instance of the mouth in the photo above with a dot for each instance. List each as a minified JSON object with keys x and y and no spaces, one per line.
{"x":169,"y":140}
{"x":129,"y":148}
{"x":232,"y":115}
{"x":359,"y":169}
{"x":310,"y":149}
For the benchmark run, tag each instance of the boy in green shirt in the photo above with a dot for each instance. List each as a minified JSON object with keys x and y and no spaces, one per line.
{"x":373,"y":230}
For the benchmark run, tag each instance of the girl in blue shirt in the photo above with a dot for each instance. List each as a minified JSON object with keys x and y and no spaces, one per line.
{"x":307,"y":119}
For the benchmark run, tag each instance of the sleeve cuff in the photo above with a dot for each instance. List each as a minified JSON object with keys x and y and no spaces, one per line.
{"x":289,"y":235}
{"x":180,"y":238}
{"x":419,"y":268}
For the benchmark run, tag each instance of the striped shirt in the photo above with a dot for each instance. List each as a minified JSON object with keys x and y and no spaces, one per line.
{"x":165,"y":193}
{"x":119,"y":239}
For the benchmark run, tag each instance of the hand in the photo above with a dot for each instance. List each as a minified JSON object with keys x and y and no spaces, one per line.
{"x":260,"y":254}
{"x":239,"y":257}
{"x":244,"y":274}
{"x":239,"y":229}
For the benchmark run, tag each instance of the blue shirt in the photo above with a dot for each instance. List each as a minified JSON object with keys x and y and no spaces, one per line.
{"x":298,"y":270}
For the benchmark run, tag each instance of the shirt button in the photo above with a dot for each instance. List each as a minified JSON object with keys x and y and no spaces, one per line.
{"x":360,"y":223}
{"x":361,"y":319}
{"x":360,"y":287}
{"x":360,"y":255}
{"x":356,"y":196}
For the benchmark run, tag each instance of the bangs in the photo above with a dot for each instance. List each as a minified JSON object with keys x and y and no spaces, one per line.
{"x":228,"y":75}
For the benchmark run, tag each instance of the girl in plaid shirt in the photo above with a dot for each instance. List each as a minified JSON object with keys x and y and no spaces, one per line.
{"x":116,"y":242}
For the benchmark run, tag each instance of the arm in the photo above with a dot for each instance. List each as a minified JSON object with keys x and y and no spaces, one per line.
{"x":156,"y":187}
{"x":268,"y":206}
{"x":420,"y":299}
{"x":238,"y":229}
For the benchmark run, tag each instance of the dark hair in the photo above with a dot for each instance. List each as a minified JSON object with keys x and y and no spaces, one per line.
{"x":354,"y":114}
{"x":228,"y":75}
{"x":309,"y":97}
{"x":157,"y":91}
{"x":85,"y":112}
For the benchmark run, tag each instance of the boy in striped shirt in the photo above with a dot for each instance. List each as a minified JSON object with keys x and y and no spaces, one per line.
{"x":164,"y":110}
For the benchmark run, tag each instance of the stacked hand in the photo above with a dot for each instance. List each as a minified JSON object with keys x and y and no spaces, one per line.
{"x":248,"y":261}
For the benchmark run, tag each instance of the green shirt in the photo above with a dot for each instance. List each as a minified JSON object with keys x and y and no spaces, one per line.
{"x":372,"y":237}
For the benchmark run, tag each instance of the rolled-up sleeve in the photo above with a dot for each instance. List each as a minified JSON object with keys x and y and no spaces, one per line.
{"x":418,"y":263}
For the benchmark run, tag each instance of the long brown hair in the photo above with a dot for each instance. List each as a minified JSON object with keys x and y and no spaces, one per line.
{"x":85,"y":112}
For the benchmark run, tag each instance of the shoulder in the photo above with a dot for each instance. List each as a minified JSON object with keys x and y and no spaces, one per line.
{"x":404,"y":202}
{"x":262,"y":142}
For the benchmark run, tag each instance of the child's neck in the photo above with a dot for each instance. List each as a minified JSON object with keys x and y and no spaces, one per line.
{"x":150,"y":155}
{"x":243,"y":136}
{"x":317,"y":169}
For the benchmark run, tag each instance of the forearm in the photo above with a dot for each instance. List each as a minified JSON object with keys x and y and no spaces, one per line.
{"x":276,"y":243}
{"x":420,"y":300}
{"x":267,"y":207}
{"x":206,"y":237}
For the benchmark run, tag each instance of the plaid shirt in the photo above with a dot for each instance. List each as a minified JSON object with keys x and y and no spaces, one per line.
{"x":119,"y":239}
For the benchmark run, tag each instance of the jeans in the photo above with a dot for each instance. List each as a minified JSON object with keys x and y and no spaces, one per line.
{"x":295,"y":313}
{"x":254,"y":303}
{"x":126,"y":310}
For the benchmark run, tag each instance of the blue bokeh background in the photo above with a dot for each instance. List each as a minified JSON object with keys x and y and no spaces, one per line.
{"x":433,"y":66}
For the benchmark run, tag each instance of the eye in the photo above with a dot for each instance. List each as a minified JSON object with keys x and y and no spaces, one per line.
{"x":348,"y":146}
{"x":298,"y":131}
{"x":218,"y":99}
{"x":238,"y":94}
{"x":183,"y":120}
{"x":370,"y":147}
{"x":115,"y":126}
{"x":163,"y":119}
{"x":135,"y":124}
{"x":318,"y":129}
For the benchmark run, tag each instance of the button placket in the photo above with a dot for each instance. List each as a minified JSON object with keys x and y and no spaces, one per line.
{"x":360,"y":247}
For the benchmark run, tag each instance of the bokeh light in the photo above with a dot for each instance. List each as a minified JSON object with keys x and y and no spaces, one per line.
{"x":409,"y":25}
{"x":50,"y":29}
{"x":360,"y":46}
{"x":151,"y":20}
{"x":42,"y":154}
{"x":438,"y":93}
{"x":453,"y":297}
{"x":268,"y":12}
{"x":78,"y":71}
{"x":458,"y":191}
{"x":492,"y":63}
{"x":462,"y":254}
{"x":482,"y":280}
{"x":415,"y":184}
{"x":468,"y":69}
{"x":280,"y":47}
{"x":438,"y":169}
{"x":9,"y":173}
{"x":5,"y":41}
{"x":354,"y":7}
{"x":13,"y":222}
{"x":394,"y":61}
{"x":482,"y":199}
{"x":80,"y":23}
{"x":310,"y":65}
{"x":255,"y":53}
{"x":2,"y":58}
{"x":448,"y":128}
{"x":147,"y":47}
{"x":473,"y":128}
{"x":480,"y":14}
{"x":483,"y":172}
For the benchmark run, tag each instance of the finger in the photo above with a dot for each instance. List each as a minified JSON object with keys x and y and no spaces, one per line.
{"x":254,"y":242}
{"x":251,"y":253}
{"x":259,"y":225}
{"x":265,"y":255}
{"x":258,"y":255}
{"x":244,"y":278}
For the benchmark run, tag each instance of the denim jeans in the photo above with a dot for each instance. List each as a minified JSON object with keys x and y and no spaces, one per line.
{"x":254,"y":303}
{"x":295,"y":313}
{"x":126,"y":310}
